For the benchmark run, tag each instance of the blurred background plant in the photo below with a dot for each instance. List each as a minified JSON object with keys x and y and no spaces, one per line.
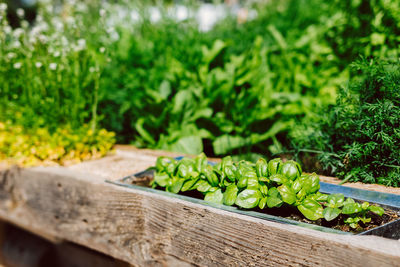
{"x":241,"y":77}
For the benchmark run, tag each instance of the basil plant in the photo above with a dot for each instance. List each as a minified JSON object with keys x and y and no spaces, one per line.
{"x":261,"y":185}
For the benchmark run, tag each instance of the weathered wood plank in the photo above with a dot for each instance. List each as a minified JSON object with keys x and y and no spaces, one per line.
{"x":147,"y":229}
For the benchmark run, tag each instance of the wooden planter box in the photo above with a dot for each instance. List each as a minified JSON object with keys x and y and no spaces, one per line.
{"x":147,"y":229}
{"x":388,"y":201}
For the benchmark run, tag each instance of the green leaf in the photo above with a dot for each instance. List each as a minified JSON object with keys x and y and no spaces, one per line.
{"x":161,"y":179}
{"x":188,"y":145}
{"x":274,"y":166}
{"x":279,"y":179}
{"x":331,"y":213}
{"x":263,"y":188}
{"x":248,"y":198}
{"x":287,"y":194}
{"x":175,"y":186}
{"x":215,"y":197}
{"x":377,"y":210}
{"x":188,"y":185}
{"x":225,"y":143}
{"x":261,"y":168}
{"x":242,"y":183}
{"x":351,"y":208}
{"x":311,"y":209}
{"x":203,"y":186}
{"x":335,"y":200}
{"x":291,"y":169}
{"x":230,"y":195}
{"x":274,"y":199}
{"x":262,"y":202}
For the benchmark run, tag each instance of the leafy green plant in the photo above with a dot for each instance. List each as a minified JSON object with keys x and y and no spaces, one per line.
{"x":263,"y":184}
{"x":359,"y":139}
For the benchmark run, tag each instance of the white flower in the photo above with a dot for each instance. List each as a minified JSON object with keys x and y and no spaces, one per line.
{"x":102,"y":12}
{"x":80,"y":45}
{"x":17,"y":65}
{"x":92,"y":69}
{"x":11,"y":55}
{"x":56,"y":54}
{"x":16,"y":44}
{"x":38,"y":65}
{"x":20,"y":13}
{"x":53,"y":66}
{"x":18,"y":32}
{"x":102,"y":50}
{"x":3,"y":6}
{"x":43,"y":38}
{"x":7,"y":29}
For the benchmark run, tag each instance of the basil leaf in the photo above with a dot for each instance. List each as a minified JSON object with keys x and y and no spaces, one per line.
{"x":203,"y":186}
{"x":287,"y":194}
{"x":335,"y":200}
{"x":230,"y":195}
{"x":274,"y":166}
{"x":263,"y":188}
{"x":230,"y":171}
{"x":377,"y":210}
{"x":261,"y":168}
{"x":175,"y":186}
{"x":331,"y":213}
{"x":189,"y":184}
{"x":311,"y":209}
{"x":161,"y":179}
{"x":279,"y":179}
{"x":200,"y":162}
{"x":291,"y":169}
{"x":348,"y":200}
{"x":248,"y":198}
{"x":242,"y":182}
{"x":262,"y":203}
{"x":351,"y":208}
{"x":215,"y":197}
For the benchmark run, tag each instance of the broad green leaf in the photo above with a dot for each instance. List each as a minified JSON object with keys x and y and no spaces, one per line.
{"x":331,"y":213}
{"x":188,"y":145}
{"x":225,"y":143}
{"x":279,"y":179}
{"x":348,"y":200}
{"x":287,"y":194}
{"x":377,"y":210}
{"x":311,"y":209}
{"x":188,"y":185}
{"x":175,"y":186}
{"x":242,"y":183}
{"x":274,"y":165}
{"x":335,"y":200}
{"x":248,"y":198}
{"x":203,"y":186}
{"x":273,"y":201}
{"x":291,"y":169}
{"x":161,"y":179}
{"x":215,"y":197}
{"x":262,"y":168}
{"x":230,"y":195}
{"x":351,"y":208}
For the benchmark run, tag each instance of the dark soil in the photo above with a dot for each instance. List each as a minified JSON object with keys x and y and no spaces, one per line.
{"x":292,"y":213}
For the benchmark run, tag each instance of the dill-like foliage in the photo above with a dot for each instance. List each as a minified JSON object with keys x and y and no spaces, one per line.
{"x":360,"y":136}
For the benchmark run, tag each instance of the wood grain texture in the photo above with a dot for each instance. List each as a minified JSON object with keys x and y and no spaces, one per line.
{"x":147,"y":229}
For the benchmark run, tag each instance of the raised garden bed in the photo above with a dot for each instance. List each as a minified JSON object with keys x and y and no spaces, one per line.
{"x":386,"y":226}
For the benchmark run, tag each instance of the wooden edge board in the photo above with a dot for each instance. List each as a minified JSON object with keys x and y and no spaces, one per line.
{"x":147,"y":229}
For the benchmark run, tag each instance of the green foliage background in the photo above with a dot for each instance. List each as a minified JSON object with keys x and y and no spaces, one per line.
{"x":242,"y":88}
